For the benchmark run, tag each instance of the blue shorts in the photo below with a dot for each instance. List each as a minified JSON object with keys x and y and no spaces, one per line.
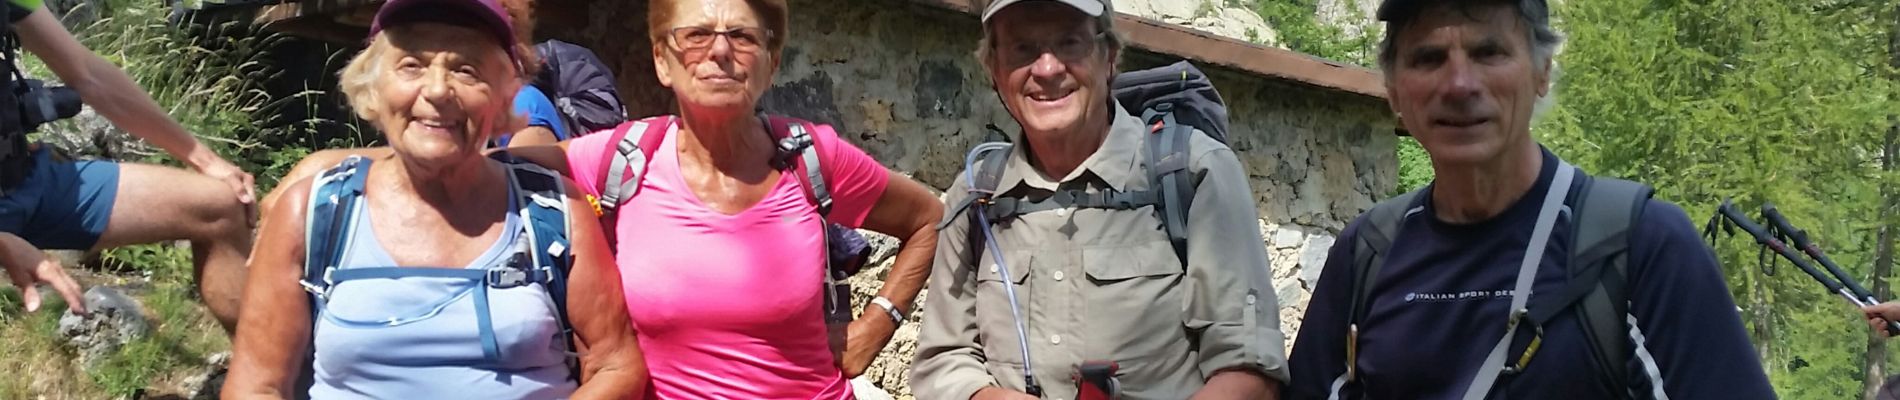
{"x":61,"y":204}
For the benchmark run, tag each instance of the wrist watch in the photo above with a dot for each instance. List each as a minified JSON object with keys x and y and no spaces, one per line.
{"x":897,"y":317}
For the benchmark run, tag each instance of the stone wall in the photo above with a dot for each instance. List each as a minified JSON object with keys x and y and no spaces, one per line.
{"x":899,"y":80}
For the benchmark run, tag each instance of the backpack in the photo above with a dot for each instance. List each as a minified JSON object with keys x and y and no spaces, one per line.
{"x":15,"y":160}
{"x":1175,"y":100}
{"x":540,"y":202}
{"x":1596,"y":292}
{"x":581,"y":86}
{"x":635,"y":141}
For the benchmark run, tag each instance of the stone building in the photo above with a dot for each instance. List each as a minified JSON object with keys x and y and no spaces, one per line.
{"x":898,"y":78}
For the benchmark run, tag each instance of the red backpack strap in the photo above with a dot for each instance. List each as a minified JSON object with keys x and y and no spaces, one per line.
{"x":627,"y":159}
{"x":798,"y":152}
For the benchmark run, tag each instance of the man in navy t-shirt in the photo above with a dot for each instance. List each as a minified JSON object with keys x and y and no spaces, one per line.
{"x":1465,"y":78}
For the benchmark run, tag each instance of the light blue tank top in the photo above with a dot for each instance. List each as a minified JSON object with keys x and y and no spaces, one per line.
{"x":398,"y":339}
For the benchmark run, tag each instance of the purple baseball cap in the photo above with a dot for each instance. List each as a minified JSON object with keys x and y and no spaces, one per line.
{"x":485,"y":15}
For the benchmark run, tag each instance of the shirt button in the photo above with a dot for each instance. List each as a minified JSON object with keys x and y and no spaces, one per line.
{"x":1062,"y":212}
{"x":1058,"y":276}
{"x":1250,"y":299}
{"x":992,"y":268}
{"x":1055,"y":339}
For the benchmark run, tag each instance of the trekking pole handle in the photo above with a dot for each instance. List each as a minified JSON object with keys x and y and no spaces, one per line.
{"x":1727,"y":209}
{"x":1807,"y":245}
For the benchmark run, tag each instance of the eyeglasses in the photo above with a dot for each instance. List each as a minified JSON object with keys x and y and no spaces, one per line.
{"x":1068,"y":49}
{"x":692,"y":38}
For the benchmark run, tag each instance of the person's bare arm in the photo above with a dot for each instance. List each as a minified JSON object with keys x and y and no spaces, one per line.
{"x":552,"y":156}
{"x":1238,"y":384}
{"x":275,"y":323}
{"x":909,"y":212}
{"x":611,"y":364}
{"x":115,"y":96}
{"x":532,"y":136}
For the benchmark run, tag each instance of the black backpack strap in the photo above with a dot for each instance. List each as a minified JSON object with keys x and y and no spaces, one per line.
{"x":1597,"y":288}
{"x":1003,"y":209}
{"x":1168,"y":174}
{"x":1613,"y":208}
{"x":1373,"y":242}
{"x":986,"y":173}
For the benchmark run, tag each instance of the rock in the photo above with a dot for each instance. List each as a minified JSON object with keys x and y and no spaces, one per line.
{"x":1313,"y":257}
{"x":865,"y":390}
{"x":1287,"y":237}
{"x":69,"y":258}
{"x":77,"y":15}
{"x":207,"y":385}
{"x":1212,"y":16}
{"x":113,"y":321}
{"x":89,"y":134}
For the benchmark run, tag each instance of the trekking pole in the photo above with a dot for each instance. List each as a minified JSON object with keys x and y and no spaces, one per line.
{"x":1801,"y":241}
{"x":1728,"y":210}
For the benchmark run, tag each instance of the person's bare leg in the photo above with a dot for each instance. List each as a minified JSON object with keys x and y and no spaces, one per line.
{"x":157,"y":204}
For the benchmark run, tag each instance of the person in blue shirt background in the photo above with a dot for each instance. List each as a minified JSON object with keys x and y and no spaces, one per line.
{"x":544,"y":120}
{"x":1466,"y":79}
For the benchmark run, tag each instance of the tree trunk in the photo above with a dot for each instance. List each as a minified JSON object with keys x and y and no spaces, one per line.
{"x":1883,"y":257}
{"x":1758,"y":305}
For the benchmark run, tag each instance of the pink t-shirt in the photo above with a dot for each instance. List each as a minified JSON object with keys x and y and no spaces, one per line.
{"x":729,"y":306}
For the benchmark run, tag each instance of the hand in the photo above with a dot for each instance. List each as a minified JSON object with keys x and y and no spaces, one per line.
{"x":1879,"y":314}
{"x":997,"y":393}
{"x":28,"y":273}
{"x":865,"y":337}
{"x":240,"y":181}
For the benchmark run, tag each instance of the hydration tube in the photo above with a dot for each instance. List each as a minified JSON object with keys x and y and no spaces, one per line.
{"x":989,"y":239}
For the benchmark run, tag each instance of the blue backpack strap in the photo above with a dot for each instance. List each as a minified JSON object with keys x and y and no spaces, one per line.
{"x":332,"y":204}
{"x":542,"y":202}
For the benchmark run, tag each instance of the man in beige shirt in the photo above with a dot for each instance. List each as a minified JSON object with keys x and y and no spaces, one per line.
{"x":1082,"y":243}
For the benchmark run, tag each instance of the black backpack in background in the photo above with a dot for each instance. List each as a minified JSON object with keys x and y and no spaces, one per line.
{"x":581,"y":86}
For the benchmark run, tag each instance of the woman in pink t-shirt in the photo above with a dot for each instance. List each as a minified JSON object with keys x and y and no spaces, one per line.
{"x":723,"y":254}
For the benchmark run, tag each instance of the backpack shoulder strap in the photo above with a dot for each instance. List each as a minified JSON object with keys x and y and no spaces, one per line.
{"x":627,"y":158}
{"x":541,"y":202}
{"x":795,"y":140}
{"x":332,"y":204}
{"x":1606,"y":215}
{"x":1168,"y":174}
{"x":1370,"y":247}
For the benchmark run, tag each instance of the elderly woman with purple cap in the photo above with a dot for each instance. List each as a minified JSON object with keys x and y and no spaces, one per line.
{"x":439,"y":272}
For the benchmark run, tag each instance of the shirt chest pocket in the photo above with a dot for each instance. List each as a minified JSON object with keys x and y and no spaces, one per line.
{"x":995,"y":318}
{"x":1137,"y":299}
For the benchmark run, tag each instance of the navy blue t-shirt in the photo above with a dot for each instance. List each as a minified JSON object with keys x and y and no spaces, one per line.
{"x":1440,"y":304}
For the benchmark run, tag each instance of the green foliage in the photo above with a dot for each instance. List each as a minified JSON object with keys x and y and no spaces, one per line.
{"x":1298,"y":29}
{"x":1759,"y":100}
{"x":1415,"y":167}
